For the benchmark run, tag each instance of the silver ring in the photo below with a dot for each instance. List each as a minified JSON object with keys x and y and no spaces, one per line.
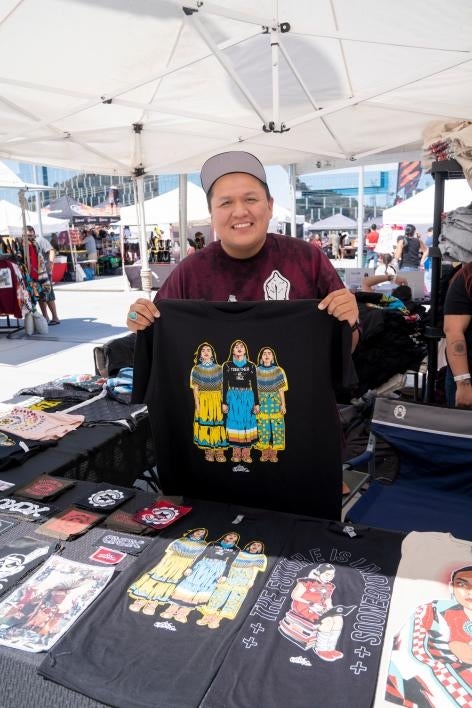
{"x":133,"y":315}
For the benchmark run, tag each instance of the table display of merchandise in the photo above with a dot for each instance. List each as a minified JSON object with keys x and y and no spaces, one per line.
{"x":119,"y":597}
{"x":301,"y":601}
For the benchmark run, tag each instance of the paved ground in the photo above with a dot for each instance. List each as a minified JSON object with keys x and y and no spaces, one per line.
{"x":90,"y":312}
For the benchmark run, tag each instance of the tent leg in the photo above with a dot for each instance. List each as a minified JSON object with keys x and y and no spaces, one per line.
{"x":183,"y":225}
{"x":146,"y":275}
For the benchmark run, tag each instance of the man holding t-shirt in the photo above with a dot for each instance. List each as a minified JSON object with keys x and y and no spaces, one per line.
{"x":247,"y":263}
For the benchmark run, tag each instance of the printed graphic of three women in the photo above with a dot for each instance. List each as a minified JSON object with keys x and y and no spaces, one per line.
{"x":252,"y":397}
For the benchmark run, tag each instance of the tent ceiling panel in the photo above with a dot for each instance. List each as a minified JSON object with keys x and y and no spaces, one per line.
{"x":351,"y":81}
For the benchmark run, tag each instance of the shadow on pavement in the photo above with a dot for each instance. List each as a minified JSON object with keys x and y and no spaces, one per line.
{"x":19,"y":348}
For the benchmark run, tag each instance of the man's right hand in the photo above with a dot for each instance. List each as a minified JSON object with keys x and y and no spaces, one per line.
{"x":145,"y":312}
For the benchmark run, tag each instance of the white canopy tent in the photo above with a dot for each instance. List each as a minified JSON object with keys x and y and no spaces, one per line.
{"x":418,"y":210}
{"x":335,"y":222}
{"x":321,"y":85}
{"x":11,"y":221}
{"x":164,"y":209}
{"x":9,"y":180}
{"x":292,"y":82}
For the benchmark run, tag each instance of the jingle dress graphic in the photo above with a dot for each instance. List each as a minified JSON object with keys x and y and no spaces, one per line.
{"x":240,"y":401}
{"x":206,"y":381}
{"x":271,"y":384}
{"x":201,"y":579}
{"x":156,"y":585}
{"x":229,"y":595}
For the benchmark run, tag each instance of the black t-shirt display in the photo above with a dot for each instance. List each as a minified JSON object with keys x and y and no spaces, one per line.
{"x":314,"y":635}
{"x":15,"y":450}
{"x":241,"y":402}
{"x":160,"y":632}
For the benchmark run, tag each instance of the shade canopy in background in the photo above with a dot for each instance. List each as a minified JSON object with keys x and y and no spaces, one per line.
{"x":418,"y":210}
{"x":164,"y":209}
{"x":336,"y":222}
{"x":11,"y":222}
{"x":9,"y":180}
{"x":326,"y":84}
{"x":77,"y":213}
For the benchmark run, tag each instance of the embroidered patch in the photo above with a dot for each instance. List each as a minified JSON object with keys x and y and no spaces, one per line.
{"x":123,"y":521}
{"x":70,"y":523}
{"x":44,"y":487}
{"x":105,"y":499}
{"x":25,"y":510}
{"x":107,"y":556}
{"x":161,"y":514}
{"x":20,"y":557}
{"x":127,"y":544}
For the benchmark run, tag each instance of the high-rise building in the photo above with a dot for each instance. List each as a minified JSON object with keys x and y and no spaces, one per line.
{"x":321,"y":194}
{"x":87,"y":188}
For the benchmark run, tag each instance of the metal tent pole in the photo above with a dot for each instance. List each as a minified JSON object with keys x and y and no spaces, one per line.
{"x":433,"y":333}
{"x":146,"y":275}
{"x":293,"y":199}
{"x":360,"y":217}
{"x":183,"y":215}
{"x":38,"y":202}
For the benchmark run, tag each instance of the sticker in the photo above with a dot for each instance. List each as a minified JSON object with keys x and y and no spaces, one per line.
{"x":5,"y":485}
{"x":6,"y":525}
{"x":161,"y":514}
{"x":125,"y":543}
{"x":105,"y":499}
{"x":44,"y":487}
{"x":70,"y":523}
{"x":107,"y":556}
{"x":25,"y":510}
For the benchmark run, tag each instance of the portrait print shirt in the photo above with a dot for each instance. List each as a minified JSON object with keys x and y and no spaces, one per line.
{"x":314,"y":636}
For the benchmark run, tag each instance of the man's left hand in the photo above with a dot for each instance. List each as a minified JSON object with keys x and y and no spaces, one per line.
{"x":342,"y":304}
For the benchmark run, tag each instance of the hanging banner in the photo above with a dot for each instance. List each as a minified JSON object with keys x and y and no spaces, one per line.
{"x":409,"y":174}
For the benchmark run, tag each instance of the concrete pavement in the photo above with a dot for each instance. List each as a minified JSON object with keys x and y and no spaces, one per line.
{"x":91,"y":313}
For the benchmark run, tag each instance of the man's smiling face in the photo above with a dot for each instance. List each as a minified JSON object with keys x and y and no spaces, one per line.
{"x":240,"y":213}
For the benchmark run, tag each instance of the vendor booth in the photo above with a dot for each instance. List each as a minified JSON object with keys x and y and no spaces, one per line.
{"x":78,"y":217}
{"x":238,"y":596}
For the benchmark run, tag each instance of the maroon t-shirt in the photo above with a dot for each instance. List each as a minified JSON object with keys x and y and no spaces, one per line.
{"x":284,"y":269}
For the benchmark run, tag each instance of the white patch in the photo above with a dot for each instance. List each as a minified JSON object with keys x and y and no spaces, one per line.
{"x":165,"y":625}
{"x":240,"y":468}
{"x":399,"y":412}
{"x":25,"y":508}
{"x":15,"y":563}
{"x":276,"y":287}
{"x":107,"y":497}
{"x":300,"y":660}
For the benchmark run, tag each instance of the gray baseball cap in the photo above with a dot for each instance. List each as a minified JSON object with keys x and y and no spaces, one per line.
{"x":226,"y":162}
